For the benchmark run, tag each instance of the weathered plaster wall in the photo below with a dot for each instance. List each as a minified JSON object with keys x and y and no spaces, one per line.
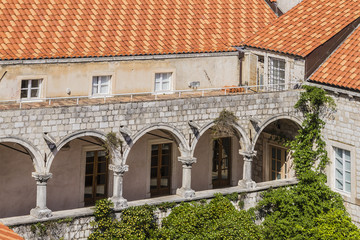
{"x":137,"y":179}
{"x":215,"y":71}
{"x":201,"y":171}
{"x":294,"y":68}
{"x":17,"y":187}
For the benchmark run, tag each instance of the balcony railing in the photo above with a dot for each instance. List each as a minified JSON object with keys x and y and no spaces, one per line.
{"x":143,"y":96}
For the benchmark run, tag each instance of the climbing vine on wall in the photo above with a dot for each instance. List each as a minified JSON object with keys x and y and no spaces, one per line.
{"x":223,"y":124}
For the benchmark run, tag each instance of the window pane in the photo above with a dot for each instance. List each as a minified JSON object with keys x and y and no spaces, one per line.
{"x":104,"y":89}
{"x":339,"y":174}
{"x":347,"y":176}
{"x":100,"y":190}
{"x":347,"y":166}
{"x":95,"y":81}
{"x":101,"y":179}
{"x":102,"y":167}
{"x":24,"y":83}
{"x":164,"y":182}
{"x":154,"y":161}
{"x":166,"y":86}
{"x":35,"y":83}
{"x":34,"y":93}
{"x":347,"y":187}
{"x":95,"y":90}
{"x":88,"y":181}
{"x":157,"y":86}
{"x":347,"y":155}
{"x":24,"y":93}
{"x":89,"y":168}
{"x":338,"y":184}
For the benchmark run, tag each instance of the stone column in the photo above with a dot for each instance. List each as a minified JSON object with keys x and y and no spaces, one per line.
{"x":247,"y":181}
{"x":117,"y":198}
{"x":41,"y":211}
{"x":186,"y":191}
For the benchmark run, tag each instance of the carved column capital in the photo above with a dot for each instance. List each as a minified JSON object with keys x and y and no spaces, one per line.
{"x":188,"y":161}
{"x":119,"y":169}
{"x":41,"y":177}
{"x":248,"y":155}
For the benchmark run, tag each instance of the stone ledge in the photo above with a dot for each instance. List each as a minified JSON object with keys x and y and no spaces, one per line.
{"x":206,"y":194}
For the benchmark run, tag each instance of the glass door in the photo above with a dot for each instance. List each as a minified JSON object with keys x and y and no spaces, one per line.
{"x":221,"y":162}
{"x":160,"y":172}
{"x":96,"y":172}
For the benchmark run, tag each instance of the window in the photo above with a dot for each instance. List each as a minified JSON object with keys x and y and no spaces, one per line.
{"x":221,"y":162}
{"x":279,"y":164}
{"x":30,"y":88}
{"x":101,"y":85}
{"x":163,"y":82}
{"x":277,"y":74}
{"x":342,"y":170}
{"x":96,"y":176}
{"x":160,"y":172}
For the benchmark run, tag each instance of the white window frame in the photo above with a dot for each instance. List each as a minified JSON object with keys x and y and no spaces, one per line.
{"x":344,"y":170}
{"x":161,"y":82}
{"x":29,"y":88}
{"x":99,"y":84}
{"x":276,"y":82}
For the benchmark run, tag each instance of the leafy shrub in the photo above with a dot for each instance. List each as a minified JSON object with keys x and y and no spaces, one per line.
{"x":216,"y":220}
{"x":135,"y":223}
{"x":334,"y":225}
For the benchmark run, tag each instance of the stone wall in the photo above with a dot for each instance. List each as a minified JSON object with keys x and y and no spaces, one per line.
{"x":342,"y":130}
{"x":79,"y":225}
{"x":61,"y":122}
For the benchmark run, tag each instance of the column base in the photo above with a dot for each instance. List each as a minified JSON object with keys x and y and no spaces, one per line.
{"x":186,"y":193}
{"x":248,"y":184}
{"x":40,"y":213}
{"x":119,"y":203}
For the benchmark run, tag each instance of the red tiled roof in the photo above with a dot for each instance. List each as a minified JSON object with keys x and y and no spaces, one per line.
{"x":84,"y":28}
{"x":342,"y":68}
{"x":7,"y":234}
{"x":306,"y":26}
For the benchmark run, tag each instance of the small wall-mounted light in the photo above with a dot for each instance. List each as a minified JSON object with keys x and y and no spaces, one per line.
{"x":194,"y":85}
{"x":68,"y":91}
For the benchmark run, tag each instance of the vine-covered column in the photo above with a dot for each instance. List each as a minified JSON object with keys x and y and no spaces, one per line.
{"x":41,"y":211}
{"x":117,"y":198}
{"x":247,"y":181}
{"x":185,"y":190}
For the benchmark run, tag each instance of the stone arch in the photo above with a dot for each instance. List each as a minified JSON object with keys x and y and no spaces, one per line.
{"x":179,"y":137}
{"x":271,"y":120}
{"x":73,"y":136}
{"x":207,"y":126}
{"x":31,"y":149}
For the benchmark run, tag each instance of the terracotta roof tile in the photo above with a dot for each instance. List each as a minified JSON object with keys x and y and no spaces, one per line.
{"x":8,"y":234}
{"x":306,"y":26}
{"x":342,"y":68}
{"x":82,"y":28}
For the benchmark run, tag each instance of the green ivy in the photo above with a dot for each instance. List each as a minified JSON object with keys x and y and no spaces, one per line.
{"x":217,"y":219}
{"x":299,"y":211}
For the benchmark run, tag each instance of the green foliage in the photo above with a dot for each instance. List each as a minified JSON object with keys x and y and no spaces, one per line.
{"x":135,"y":223}
{"x":233,"y":196}
{"x":223,"y":125}
{"x":308,"y":147}
{"x":306,"y":210}
{"x":112,"y":142}
{"x":216,"y":220}
{"x":334,"y":225}
{"x":289,"y":212}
